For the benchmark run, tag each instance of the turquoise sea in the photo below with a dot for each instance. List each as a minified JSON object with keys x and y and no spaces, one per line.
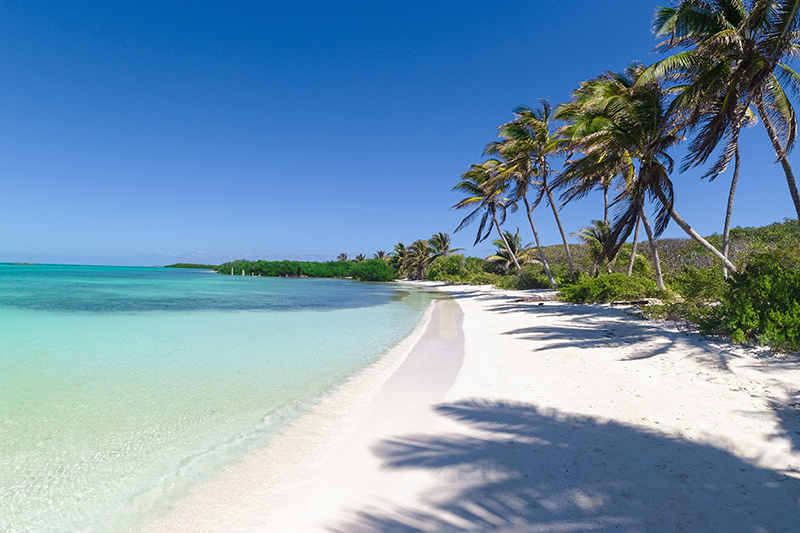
{"x":121,"y":388}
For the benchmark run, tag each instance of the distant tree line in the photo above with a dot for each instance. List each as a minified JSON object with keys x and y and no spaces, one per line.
{"x":191,"y":265}
{"x":365,"y":270}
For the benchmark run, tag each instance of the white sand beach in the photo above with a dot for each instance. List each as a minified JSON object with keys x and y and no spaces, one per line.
{"x":507,"y":415}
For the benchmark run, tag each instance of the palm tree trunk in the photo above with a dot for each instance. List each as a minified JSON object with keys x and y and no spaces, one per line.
{"x":633,"y":248}
{"x":780,"y":153}
{"x":653,"y":249}
{"x":696,"y":236}
{"x":503,"y":237}
{"x":594,"y":270}
{"x":726,"y":231}
{"x":561,"y":229}
{"x":538,"y":244}
{"x":605,"y":203}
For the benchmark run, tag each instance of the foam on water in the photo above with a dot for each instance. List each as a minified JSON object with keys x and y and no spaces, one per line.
{"x":120,"y":389}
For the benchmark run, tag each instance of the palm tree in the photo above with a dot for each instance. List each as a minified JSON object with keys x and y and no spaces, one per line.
{"x":597,"y":237}
{"x":440,"y":245}
{"x":380,"y":254}
{"x":711,"y":174}
{"x":342,"y":256}
{"x":636,"y":126}
{"x":485,"y":193}
{"x":397,"y":258}
{"x":633,"y":248}
{"x":418,"y":258}
{"x":504,"y":255}
{"x":520,"y":175}
{"x":584,"y":128}
{"x":581,"y":121}
{"x":734,"y":58}
{"x":526,"y":145}
{"x":606,"y":149}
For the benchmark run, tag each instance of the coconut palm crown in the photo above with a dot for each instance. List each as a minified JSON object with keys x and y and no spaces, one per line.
{"x":503,"y":255}
{"x":527,"y":144}
{"x":417,"y":259}
{"x":440,"y":245}
{"x":633,"y":124}
{"x":485,"y":197}
{"x":735,"y":56}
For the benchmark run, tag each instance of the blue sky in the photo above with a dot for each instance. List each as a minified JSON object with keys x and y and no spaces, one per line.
{"x":146,"y":133}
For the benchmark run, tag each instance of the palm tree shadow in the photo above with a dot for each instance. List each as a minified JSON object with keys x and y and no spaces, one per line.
{"x":593,"y":326}
{"x":525,"y":469}
{"x":788,"y":417}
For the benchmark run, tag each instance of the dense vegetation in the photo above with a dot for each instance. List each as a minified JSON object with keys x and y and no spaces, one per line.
{"x":372,"y":270}
{"x":609,"y":288}
{"x":761,"y":304}
{"x":365,"y":270}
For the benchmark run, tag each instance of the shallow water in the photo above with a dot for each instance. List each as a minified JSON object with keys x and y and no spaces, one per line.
{"x":121,"y":388}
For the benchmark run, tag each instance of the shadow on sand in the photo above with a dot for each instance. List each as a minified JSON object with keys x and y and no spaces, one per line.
{"x":591,"y":326}
{"x":539,"y":471}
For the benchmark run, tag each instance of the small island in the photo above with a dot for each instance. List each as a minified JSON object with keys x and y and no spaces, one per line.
{"x":191,"y":265}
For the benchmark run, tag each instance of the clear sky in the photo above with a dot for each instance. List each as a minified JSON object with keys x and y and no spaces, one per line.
{"x":146,"y":133}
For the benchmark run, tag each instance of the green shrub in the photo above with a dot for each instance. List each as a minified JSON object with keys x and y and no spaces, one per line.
{"x":762,"y":304}
{"x":474,"y":265}
{"x":703,"y":284}
{"x":608,"y":288}
{"x":481,"y":278}
{"x":508,"y":282}
{"x":699,"y":287}
{"x":693,"y":311}
{"x":446,"y":268}
{"x":532,"y":277}
{"x":560,"y":272}
{"x":494,"y":268}
{"x":641,"y":266}
{"x":372,"y":270}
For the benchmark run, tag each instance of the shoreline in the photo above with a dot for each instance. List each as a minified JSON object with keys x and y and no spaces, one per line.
{"x":558,"y":417}
{"x":246,"y":493}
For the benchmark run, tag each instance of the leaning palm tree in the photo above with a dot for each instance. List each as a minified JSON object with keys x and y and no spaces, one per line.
{"x":527,"y":144}
{"x":503,"y":255}
{"x":440,"y":244}
{"x":485,"y":194}
{"x":604,"y":150}
{"x":581,"y":120}
{"x":632,"y":259}
{"x":584,"y":123}
{"x":637,"y":126}
{"x":735,"y":56}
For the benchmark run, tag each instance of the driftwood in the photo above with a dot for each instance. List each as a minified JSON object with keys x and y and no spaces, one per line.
{"x":641,"y":301}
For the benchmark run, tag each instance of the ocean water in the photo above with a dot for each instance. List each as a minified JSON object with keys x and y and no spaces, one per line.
{"x":122,"y":388}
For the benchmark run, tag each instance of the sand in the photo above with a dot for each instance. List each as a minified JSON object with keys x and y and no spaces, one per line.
{"x":508,"y":415}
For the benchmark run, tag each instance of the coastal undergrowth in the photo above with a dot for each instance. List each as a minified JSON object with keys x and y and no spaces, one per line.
{"x":609,"y":288}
